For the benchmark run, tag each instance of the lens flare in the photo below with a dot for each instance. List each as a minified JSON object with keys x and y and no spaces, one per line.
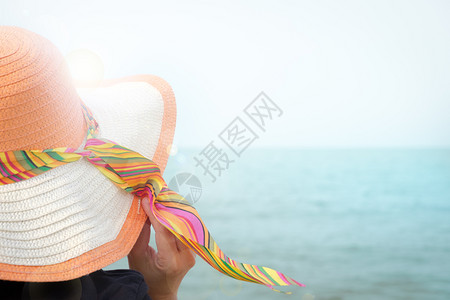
{"x":86,"y":68}
{"x":172,"y":149}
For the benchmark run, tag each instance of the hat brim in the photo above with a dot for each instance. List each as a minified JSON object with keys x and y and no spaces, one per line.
{"x":154,"y":145}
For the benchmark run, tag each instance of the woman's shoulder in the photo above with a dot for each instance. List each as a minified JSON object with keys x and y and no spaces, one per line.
{"x":101,"y":285}
{"x":115,"y":284}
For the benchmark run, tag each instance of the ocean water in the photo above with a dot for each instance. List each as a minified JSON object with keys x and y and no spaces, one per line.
{"x":350,"y":224}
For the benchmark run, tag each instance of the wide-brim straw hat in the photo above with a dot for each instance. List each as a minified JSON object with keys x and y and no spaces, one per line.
{"x":71,"y":220}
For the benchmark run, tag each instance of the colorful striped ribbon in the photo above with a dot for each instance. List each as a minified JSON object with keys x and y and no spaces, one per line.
{"x":139,"y":175}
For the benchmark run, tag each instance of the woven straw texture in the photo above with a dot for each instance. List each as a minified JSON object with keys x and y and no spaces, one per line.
{"x":71,"y":220}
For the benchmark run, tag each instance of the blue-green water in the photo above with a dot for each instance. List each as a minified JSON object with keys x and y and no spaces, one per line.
{"x":350,"y":224}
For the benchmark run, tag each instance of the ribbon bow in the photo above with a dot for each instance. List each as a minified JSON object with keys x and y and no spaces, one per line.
{"x":142,"y":177}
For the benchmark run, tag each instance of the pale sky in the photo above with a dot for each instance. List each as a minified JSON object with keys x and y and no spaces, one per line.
{"x":345,"y":73}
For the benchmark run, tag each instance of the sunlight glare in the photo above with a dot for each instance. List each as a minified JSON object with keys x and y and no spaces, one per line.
{"x":86,"y":68}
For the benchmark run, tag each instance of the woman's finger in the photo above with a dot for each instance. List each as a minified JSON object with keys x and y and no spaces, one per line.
{"x":141,"y":244}
{"x":145,"y":203}
{"x":160,"y":230}
{"x":165,"y":240}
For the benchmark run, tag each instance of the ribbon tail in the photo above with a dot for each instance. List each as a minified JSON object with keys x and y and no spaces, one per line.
{"x":179,"y":217}
{"x":141,"y":176}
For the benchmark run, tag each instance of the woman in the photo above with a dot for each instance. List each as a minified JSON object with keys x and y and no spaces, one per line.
{"x":44,"y":219}
{"x":77,"y":185}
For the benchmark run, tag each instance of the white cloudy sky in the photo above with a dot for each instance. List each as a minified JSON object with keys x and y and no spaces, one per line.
{"x":345,"y":73}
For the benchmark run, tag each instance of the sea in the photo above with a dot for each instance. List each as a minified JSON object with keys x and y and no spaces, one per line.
{"x":348,"y":223}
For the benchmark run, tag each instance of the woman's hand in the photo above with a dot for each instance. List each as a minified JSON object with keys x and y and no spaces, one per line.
{"x":164,"y":269}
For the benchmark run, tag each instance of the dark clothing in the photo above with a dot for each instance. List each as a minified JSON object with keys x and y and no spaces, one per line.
{"x":100,"y":285}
